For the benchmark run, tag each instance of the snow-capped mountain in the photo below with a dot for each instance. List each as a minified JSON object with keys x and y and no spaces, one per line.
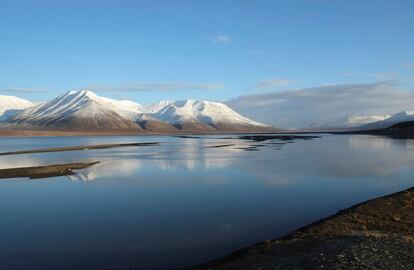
{"x":403,"y":116}
{"x":80,"y":110}
{"x":199,"y":115}
{"x":350,"y":121}
{"x":10,"y":105}
{"x":84,"y":110}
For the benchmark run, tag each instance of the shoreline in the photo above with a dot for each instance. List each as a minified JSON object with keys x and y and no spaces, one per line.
{"x":374,"y":234}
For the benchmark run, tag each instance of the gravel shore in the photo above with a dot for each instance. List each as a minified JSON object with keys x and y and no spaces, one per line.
{"x":377,"y":234}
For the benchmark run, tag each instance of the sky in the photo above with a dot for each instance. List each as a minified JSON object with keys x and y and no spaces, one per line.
{"x":220,"y":50}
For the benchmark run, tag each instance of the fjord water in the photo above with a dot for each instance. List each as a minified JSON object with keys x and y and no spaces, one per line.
{"x":184,"y":201}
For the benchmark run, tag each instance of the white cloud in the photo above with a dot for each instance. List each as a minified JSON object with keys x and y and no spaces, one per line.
{"x":320,"y":105}
{"x":385,"y":76}
{"x":271,"y":83}
{"x":152,"y":87}
{"x":222,"y":39}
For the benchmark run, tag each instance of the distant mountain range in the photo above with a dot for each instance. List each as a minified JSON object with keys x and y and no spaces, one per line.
{"x":365,"y":122}
{"x":369,"y":122}
{"x":404,"y":116}
{"x":352,"y":121}
{"x":85,"y":111}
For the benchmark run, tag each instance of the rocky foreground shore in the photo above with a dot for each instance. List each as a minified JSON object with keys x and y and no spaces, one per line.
{"x":377,"y":234}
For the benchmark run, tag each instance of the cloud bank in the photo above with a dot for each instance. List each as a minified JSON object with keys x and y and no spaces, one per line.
{"x":320,"y":105}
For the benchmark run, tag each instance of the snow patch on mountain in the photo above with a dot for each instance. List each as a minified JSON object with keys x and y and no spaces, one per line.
{"x":156,"y":107}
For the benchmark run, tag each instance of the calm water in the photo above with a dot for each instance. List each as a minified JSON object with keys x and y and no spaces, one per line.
{"x":183,"y":203}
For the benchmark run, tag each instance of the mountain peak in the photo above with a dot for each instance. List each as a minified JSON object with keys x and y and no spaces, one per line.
{"x":80,"y":93}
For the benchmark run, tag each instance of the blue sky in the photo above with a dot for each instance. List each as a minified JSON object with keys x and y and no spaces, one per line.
{"x":214,"y":50}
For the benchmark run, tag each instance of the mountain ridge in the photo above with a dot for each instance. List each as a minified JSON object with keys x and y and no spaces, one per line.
{"x":84,"y":110}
